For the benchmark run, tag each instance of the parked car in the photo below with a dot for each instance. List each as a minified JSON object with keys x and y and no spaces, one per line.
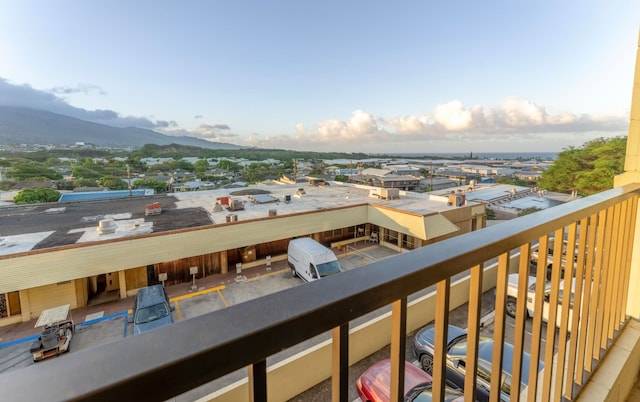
{"x":456,"y":356}
{"x":373,"y":384}
{"x":512,"y":297}
{"x":549,"y":264}
{"x":151,"y":309}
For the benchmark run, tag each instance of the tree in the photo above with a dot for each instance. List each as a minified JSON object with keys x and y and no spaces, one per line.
{"x":229,"y":165}
{"x":491,"y":214}
{"x":201,"y":166}
{"x":341,"y":177}
{"x":587,"y":170}
{"x":36,"y":195}
{"x":112,"y":183}
{"x":77,"y":183}
{"x":157,"y":185}
{"x":87,"y":169}
{"x":182,"y":164}
{"x":27,"y":170}
{"x":511,"y":180}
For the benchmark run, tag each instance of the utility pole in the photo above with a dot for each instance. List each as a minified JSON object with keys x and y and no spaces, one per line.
{"x":431,"y":174}
{"x":129,"y":178}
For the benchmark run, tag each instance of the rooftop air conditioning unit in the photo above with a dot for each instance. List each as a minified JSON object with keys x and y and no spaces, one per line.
{"x":106,"y":226}
{"x":457,"y":199}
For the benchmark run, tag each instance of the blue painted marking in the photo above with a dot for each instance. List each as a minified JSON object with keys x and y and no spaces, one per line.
{"x":81,"y":325}
{"x":105,"y":318}
{"x":96,"y":195}
{"x":21,"y":340}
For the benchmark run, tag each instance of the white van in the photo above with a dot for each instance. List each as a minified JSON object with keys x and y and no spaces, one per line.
{"x":311,"y":260}
{"x":512,"y":296}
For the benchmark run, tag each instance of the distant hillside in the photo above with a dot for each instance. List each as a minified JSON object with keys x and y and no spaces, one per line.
{"x":31,"y":126}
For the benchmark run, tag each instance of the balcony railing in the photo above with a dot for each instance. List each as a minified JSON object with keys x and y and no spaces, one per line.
{"x":172,"y":360}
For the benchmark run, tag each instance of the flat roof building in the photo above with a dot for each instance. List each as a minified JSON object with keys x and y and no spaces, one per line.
{"x":54,"y":254}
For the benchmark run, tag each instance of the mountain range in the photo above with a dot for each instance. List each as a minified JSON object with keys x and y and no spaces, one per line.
{"x":32,"y":126}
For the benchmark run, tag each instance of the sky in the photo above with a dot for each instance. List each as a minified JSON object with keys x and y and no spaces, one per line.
{"x":346,"y":76}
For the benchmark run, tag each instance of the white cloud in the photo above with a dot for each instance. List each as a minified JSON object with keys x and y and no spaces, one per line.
{"x":453,"y":116}
{"x":514,"y":122}
{"x":361,"y":125}
{"x":205,"y":130}
{"x":409,"y":124}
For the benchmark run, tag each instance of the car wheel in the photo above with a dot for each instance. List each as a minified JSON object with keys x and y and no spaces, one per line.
{"x":293,"y":272}
{"x":426,"y":362}
{"x":510,"y":307}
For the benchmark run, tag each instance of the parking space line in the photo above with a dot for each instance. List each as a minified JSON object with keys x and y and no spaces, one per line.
{"x":177,"y":299}
{"x":178,"y":312}
{"x":263,"y":275}
{"x":198,"y":293}
{"x":224,"y":301}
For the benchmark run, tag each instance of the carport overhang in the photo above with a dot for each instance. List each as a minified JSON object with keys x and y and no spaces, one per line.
{"x":424,"y":227}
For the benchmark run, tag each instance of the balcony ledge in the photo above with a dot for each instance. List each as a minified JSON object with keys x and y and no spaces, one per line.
{"x":616,"y":375}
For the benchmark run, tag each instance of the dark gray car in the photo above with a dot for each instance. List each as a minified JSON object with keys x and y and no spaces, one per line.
{"x":423,"y":347}
{"x":151,"y":309}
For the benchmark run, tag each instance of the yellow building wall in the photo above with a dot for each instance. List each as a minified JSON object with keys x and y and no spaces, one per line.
{"x":135,"y":278}
{"x":82,"y":292}
{"x":49,"y":296}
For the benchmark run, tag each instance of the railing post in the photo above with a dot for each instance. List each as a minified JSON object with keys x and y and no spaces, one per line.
{"x":443,"y":292}
{"x":258,"y":381}
{"x":398,"y":340}
{"x":632,"y":175}
{"x":340,"y":364}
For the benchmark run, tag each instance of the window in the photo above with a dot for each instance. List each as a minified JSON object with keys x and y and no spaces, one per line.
{"x":506,"y":384}
{"x":484,"y":371}
{"x":459,"y":349}
{"x":332,"y":234}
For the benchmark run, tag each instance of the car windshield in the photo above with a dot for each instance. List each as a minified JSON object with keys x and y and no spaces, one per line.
{"x":151,"y":313}
{"x":458,"y":347}
{"x":426,"y":394}
{"x":328,"y":268}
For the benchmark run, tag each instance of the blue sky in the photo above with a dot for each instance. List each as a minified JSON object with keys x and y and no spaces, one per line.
{"x":349,"y":76}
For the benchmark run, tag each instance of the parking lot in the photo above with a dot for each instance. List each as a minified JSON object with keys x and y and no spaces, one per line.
{"x":108,"y":322}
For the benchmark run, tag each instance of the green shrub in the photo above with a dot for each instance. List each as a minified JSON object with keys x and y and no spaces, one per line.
{"x":36,"y":195}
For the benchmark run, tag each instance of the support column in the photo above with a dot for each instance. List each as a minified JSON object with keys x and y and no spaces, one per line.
{"x":24,"y":306}
{"x":224,"y":262}
{"x":122,"y":279}
{"x":632,"y":175}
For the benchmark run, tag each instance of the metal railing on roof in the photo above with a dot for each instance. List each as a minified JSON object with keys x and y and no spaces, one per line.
{"x":177,"y":358}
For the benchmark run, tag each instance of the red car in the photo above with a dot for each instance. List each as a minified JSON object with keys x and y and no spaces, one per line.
{"x":373,"y":384}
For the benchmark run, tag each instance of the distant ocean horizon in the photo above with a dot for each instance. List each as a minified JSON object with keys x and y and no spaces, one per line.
{"x":487,"y":155}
